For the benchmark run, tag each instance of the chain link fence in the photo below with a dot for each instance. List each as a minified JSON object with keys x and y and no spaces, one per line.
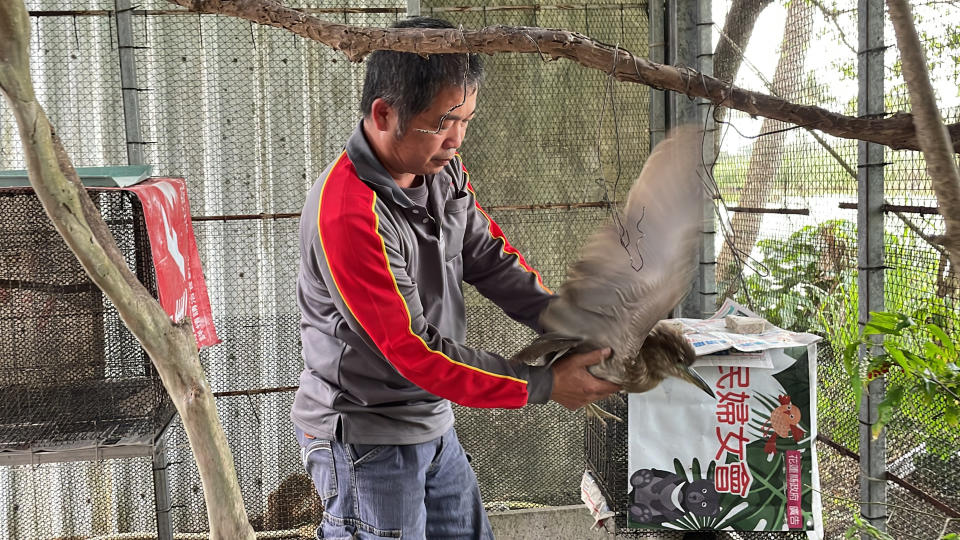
{"x":250,"y":115}
{"x":923,"y":450}
{"x":789,"y":206}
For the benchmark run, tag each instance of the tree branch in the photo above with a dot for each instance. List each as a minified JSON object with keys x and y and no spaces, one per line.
{"x":896,"y":131}
{"x":734,"y":37}
{"x":932,"y":135}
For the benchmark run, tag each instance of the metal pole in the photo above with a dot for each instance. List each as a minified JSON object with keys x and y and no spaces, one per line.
{"x":128,"y":82}
{"x":707,"y":275}
{"x":161,"y":490}
{"x":413,"y":8}
{"x":873,"y":472}
{"x":689,"y":28}
{"x":130,"y":93}
{"x":658,"y":53}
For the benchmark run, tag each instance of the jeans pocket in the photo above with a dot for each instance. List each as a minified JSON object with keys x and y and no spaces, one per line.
{"x":361,"y":453}
{"x":318,"y":462}
{"x":321,"y":536}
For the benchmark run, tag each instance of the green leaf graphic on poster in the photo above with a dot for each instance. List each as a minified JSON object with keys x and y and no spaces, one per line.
{"x":796,"y":379}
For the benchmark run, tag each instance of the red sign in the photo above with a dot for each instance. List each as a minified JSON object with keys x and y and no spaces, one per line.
{"x":180,"y":284}
{"x":793,"y":485}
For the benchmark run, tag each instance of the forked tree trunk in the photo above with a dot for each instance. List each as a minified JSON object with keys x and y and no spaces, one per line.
{"x":171,"y":347}
{"x":931,"y":133}
{"x":766,"y":158}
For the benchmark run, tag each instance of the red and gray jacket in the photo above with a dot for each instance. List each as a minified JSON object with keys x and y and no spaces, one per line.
{"x":383,"y":319}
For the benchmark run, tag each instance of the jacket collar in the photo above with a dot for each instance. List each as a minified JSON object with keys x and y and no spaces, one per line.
{"x":371,"y":171}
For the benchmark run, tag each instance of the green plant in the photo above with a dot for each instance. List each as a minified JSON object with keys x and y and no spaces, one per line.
{"x":861,"y":527}
{"x":811,"y":285}
{"x":924,"y":356}
{"x":801,"y":273}
{"x":808,"y":281}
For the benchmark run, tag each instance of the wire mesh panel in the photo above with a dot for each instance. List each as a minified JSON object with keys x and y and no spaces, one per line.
{"x":77,"y":80}
{"x":799,"y":267}
{"x":548,"y":192}
{"x":922,"y":448}
{"x":532,"y":456}
{"x":548,"y":133}
{"x":74,"y":383}
{"x":277,"y":493}
{"x":913,"y":517}
{"x":250,"y":115}
{"x":76,"y":500}
{"x":552,"y":147}
{"x":71,"y":374}
{"x":788,"y":246}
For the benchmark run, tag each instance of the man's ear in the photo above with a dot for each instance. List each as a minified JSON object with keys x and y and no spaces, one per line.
{"x":383,"y":115}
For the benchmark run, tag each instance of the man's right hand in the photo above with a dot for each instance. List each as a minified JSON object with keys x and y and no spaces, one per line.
{"x":574,"y":386}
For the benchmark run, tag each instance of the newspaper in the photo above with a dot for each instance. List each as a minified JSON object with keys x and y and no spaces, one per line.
{"x":716,"y":346}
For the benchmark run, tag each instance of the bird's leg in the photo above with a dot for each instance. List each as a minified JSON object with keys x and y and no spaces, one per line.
{"x":592,"y":410}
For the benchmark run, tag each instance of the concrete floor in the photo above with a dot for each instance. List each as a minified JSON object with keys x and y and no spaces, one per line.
{"x":552,"y":523}
{"x":567,"y":523}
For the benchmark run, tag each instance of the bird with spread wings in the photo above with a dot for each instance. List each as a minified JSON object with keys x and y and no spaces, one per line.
{"x":630,"y":274}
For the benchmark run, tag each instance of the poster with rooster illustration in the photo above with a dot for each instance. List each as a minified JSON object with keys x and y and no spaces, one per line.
{"x":744,"y":460}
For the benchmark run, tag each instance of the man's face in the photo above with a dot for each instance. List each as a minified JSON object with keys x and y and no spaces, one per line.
{"x":423,"y":150}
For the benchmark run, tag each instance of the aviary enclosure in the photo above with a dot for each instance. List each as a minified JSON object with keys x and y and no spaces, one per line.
{"x":250,"y":115}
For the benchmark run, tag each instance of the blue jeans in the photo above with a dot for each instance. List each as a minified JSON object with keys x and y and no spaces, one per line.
{"x":415,"y":491}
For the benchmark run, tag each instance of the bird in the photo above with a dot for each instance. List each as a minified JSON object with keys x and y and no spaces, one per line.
{"x":630,"y":274}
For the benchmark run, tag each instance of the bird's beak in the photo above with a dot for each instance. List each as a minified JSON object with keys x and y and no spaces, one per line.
{"x":688,"y":374}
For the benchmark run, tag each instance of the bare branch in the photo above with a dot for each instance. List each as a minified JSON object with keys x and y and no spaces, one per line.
{"x":931,"y":134}
{"x":356,"y":42}
{"x":833,"y":16}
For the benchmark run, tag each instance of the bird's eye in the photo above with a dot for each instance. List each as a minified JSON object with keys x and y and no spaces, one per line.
{"x":704,"y":491}
{"x":703,"y":504}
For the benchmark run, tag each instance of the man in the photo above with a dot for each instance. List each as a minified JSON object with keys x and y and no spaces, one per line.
{"x":387,"y":235}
